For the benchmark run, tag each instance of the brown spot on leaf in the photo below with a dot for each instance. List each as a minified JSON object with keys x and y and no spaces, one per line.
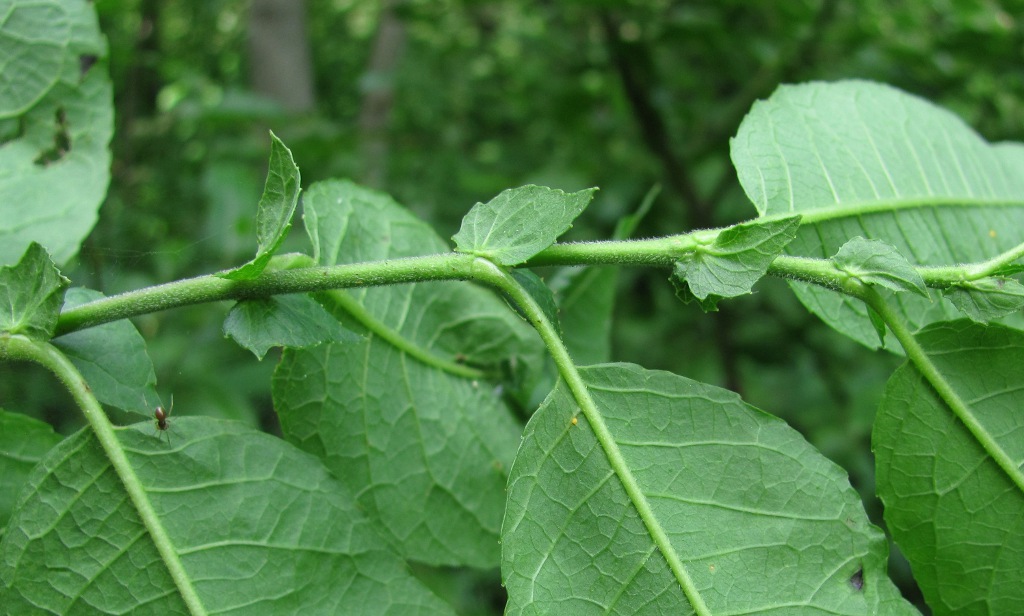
{"x":85,"y":62}
{"x":857,"y":580}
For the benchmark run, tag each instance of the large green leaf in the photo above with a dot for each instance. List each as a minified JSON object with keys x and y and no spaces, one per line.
{"x":258,"y":526}
{"x":731,"y":511}
{"x":23,"y":442}
{"x":56,"y":120}
{"x":863,"y":159}
{"x":954,"y":511}
{"x":397,"y":417}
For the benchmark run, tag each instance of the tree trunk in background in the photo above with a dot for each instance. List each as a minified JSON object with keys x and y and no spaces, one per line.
{"x":378,"y":96}
{"x":279,"y":59}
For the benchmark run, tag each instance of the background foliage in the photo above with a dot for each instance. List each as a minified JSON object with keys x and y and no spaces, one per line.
{"x":443,"y":104}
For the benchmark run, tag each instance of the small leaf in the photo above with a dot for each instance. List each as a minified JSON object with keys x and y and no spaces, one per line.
{"x":685,"y":295}
{"x":293,"y":321}
{"x":876,"y":262}
{"x":273,"y":218}
{"x":988,"y":298}
{"x":519,"y":222}
{"x":697,"y":499}
{"x":258,"y":527}
{"x":31,"y":294}
{"x":956,"y":512}
{"x":738,"y":257}
{"x":23,"y":442}
{"x":113,"y":359}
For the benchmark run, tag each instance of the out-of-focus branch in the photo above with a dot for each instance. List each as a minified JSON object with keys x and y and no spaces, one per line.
{"x":279,"y":57}
{"x":798,"y":54}
{"x":652,"y":126}
{"x":379,"y":96}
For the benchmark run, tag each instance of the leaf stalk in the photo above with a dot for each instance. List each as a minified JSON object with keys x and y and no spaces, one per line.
{"x":917,"y":356}
{"x":487,"y":272}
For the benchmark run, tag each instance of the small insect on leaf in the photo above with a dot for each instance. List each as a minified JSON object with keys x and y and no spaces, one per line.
{"x":161,"y":419}
{"x":574,"y":421}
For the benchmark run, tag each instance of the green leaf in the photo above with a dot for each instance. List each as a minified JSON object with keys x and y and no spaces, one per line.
{"x":23,"y":442}
{"x":863,"y":159}
{"x":58,"y":120}
{"x":956,"y":514}
{"x":876,"y":262}
{"x":113,"y":359}
{"x":540,"y":292}
{"x":738,"y":257}
{"x":519,"y":222}
{"x":274,"y":216}
{"x":31,"y":294}
{"x":685,"y":295}
{"x":879,"y":324}
{"x":741,"y":515}
{"x":585,"y":307}
{"x":292,"y":321}
{"x":987,"y":299}
{"x":398,"y":417}
{"x":258,"y":526}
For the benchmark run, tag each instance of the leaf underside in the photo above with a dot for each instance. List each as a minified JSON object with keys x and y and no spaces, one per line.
{"x":112,"y":358}
{"x":259,"y":527}
{"x":759,"y":521}
{"x":889,"y":166}
{"x":293,"y":321}
{"x":427,"y":451}
{"x":734,"y":262}
{"x":23,"y":442}
{"x":519,"y":222}
{"x":956,"y":515}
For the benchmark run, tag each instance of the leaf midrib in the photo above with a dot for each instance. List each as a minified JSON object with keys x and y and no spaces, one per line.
{"x":357,"y":311}
{"x":491,"y":273}
{"x":922,"y":361}
{"x":826,"y":213}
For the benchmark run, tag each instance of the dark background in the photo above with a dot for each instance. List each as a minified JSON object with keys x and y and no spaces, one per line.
{"x":446,"y":103}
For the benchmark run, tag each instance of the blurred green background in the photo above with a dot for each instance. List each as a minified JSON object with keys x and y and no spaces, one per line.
{"x":446,"y":103}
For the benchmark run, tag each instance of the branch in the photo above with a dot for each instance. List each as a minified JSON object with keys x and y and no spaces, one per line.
{"x":652,"y":125}
{"x":658,"y":252}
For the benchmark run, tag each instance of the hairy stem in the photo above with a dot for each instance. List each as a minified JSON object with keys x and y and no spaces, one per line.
{"x":22,"y":348}
{"x":212,"y":288}
{"x":657,"y":252}
{"x":342,"y":299}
